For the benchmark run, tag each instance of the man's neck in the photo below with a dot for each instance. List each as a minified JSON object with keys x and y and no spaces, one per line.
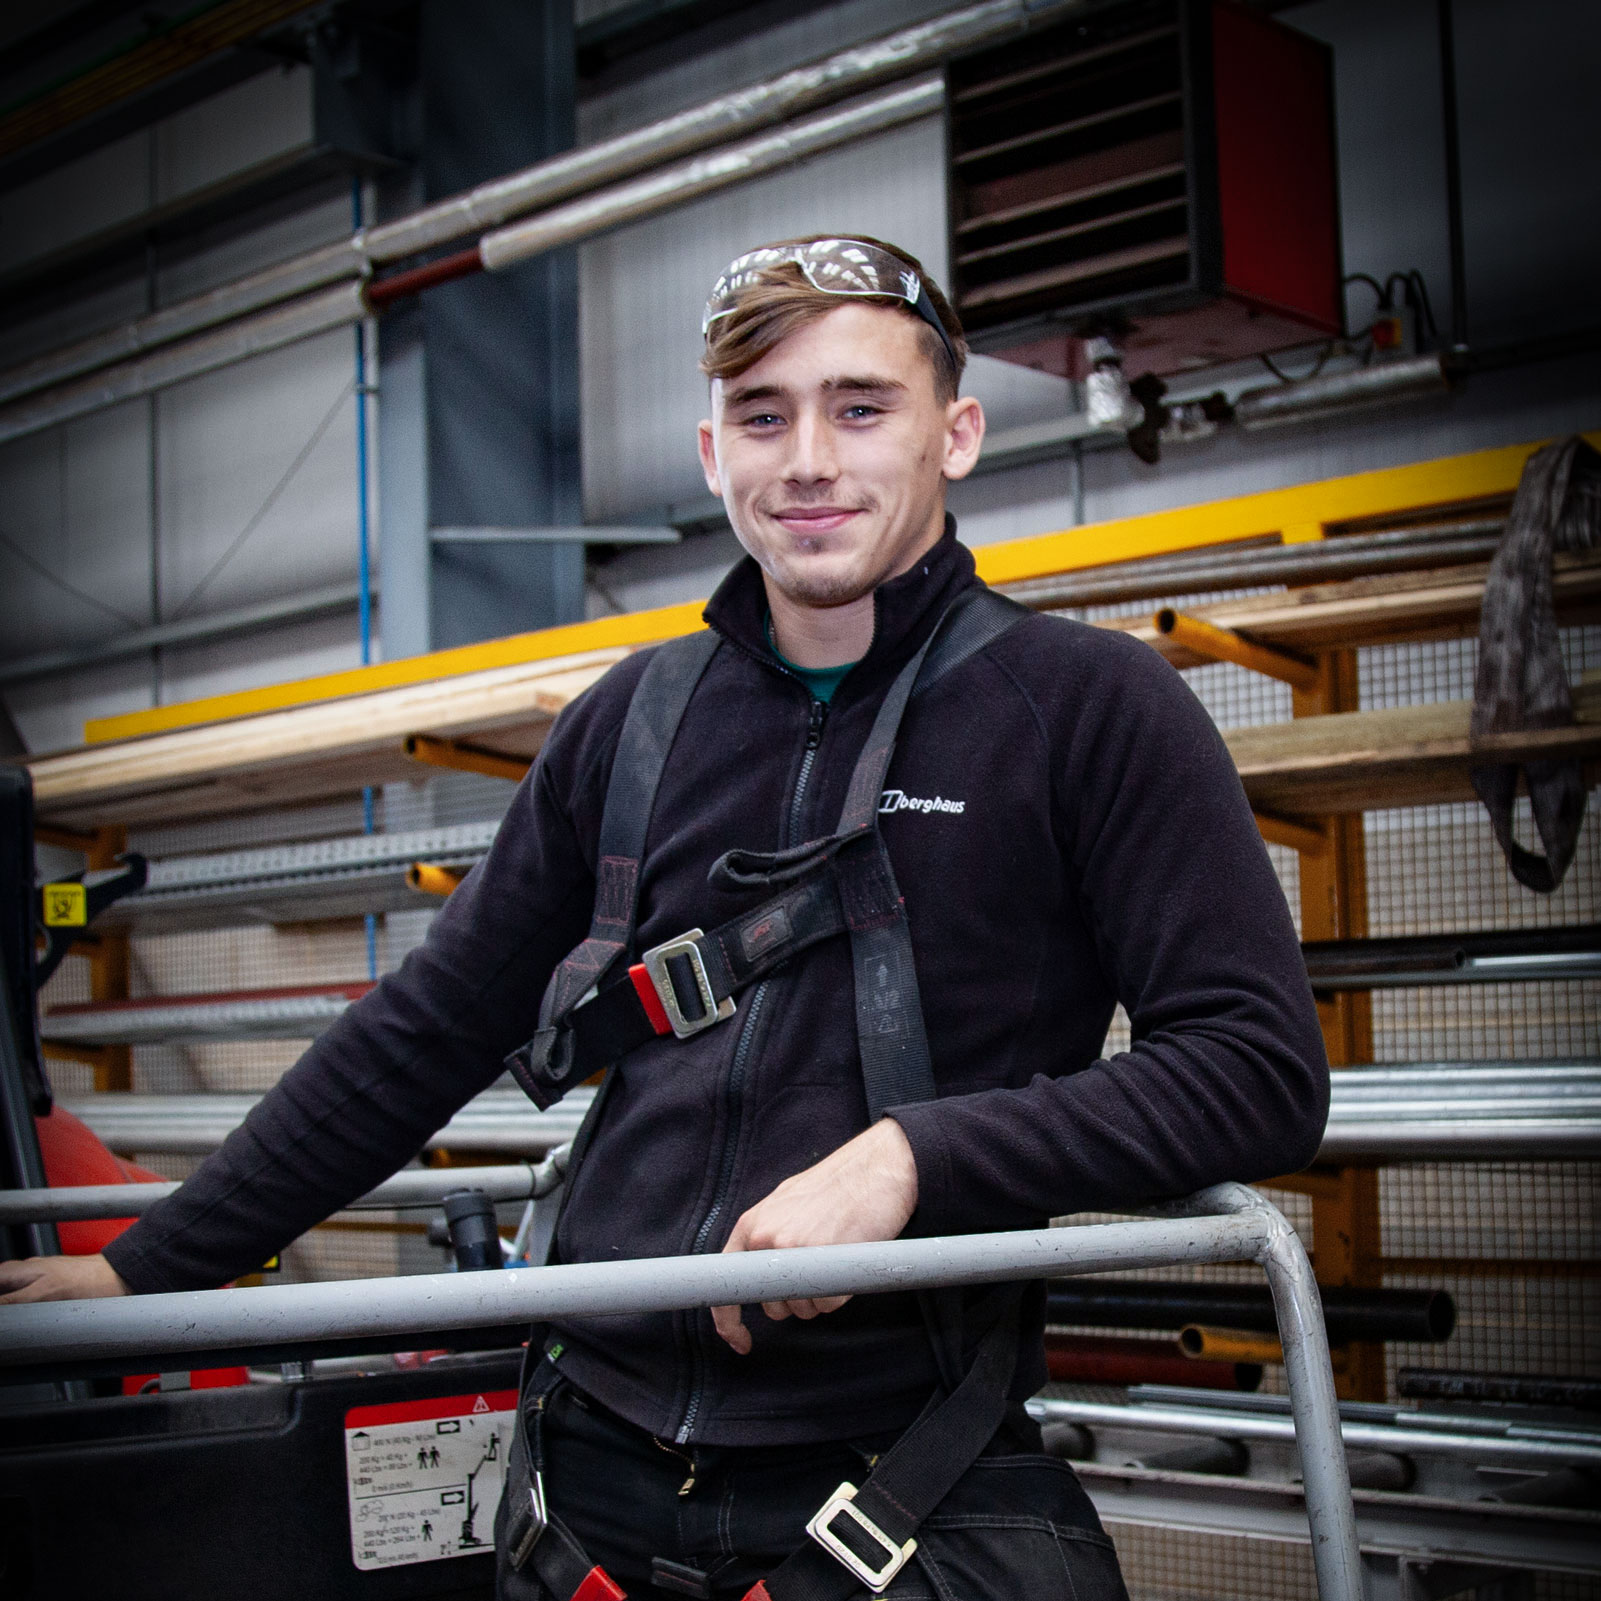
{"x":821,"y":636}
{"x":832,"y":636}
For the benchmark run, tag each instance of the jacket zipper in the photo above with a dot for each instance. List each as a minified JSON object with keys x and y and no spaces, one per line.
{"x":736,"y":1076}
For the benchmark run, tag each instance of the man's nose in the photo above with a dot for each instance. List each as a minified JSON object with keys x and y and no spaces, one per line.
{"x":812,"y":457}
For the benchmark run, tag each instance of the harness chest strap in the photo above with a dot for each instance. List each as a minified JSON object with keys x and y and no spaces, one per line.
{"x":840,"y":883}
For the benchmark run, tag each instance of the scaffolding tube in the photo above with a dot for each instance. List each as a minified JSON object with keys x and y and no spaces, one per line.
{"x":1408,"y":1112}
{"x":415,"y":1187}
{"x":1449,"y":1439}
{"x":1227,"y":1223}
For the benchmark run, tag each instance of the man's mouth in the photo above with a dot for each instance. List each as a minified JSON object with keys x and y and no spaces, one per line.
{"x":814,"y":519}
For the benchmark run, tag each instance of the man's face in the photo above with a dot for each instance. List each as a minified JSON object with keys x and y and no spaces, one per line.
{"x":831,"y":454}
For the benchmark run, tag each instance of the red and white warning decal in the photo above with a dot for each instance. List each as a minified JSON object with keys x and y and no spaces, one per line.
{"x":425,"y":1476}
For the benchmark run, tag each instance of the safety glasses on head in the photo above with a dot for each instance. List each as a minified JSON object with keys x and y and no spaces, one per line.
{"x":834,"y":266}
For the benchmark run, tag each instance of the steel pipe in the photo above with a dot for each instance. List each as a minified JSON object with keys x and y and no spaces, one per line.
{"x":1308,"y":399}
{"x":742,"y":111}
{"x":1252,"y":563}
{"x":1405,"y":1113}
{"x":415,"y":1187}
{"x":1488,"y":957}
{"x":1501,"y":1449}
{"x":271,"y":285}
{"x":1108,"y":1359}
{"x":194,"y":1125}
{"x":897,"y":55}
{"x":233,"y":342}
{"x":702,"y":175}
{"x":1502,"y":1389}
{"x":346,"y":304}
{"x":174,"y":1020}
{"x":1348,"y":1313}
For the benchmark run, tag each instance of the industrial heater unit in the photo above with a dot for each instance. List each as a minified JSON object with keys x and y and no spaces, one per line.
{"x":1161,"y":173}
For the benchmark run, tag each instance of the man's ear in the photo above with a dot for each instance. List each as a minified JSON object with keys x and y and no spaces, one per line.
{"x":964,"y":436}
{"x":707,"y":442}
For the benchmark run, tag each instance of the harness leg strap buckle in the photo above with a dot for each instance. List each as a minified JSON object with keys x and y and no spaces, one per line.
{"x":538,"y":1517}
{"x":821,"y":1528}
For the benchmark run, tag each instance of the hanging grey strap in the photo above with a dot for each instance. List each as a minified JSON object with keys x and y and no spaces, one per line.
{"x":1521,"y":682}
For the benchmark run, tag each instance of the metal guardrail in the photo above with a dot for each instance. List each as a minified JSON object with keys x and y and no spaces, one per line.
{"x":1228,"y":1223}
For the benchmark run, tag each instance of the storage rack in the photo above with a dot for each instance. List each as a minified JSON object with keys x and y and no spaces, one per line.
{"x":1406,"y":553}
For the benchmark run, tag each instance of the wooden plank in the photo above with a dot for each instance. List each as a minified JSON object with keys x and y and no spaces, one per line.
{"x":1439,"y":604}
{"x":1403,"y":756}
{"x":323,"y":749}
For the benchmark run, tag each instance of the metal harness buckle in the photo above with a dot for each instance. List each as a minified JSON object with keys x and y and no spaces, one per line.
{"x":843,"y":1500}
{"x":655,"y":964}
{"x":539,"y":1518}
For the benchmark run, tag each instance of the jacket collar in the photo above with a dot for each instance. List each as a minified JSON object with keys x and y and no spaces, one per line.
{"x":905,"y":609}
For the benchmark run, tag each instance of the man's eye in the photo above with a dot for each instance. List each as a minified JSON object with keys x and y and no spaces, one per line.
{"x":763,"y":419}
{"x":861,"y":412}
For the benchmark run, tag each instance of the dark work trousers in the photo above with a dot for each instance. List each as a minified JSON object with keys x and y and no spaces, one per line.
{"x":1018,"y":1527}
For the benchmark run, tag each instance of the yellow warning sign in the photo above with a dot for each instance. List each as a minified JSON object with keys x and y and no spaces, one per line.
{"x":65,"y":906}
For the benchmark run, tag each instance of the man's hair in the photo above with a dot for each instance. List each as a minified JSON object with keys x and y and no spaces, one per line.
{"x":783,"y":301}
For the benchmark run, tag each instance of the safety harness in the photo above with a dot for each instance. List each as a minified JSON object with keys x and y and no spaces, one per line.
{"x":842,"y":883}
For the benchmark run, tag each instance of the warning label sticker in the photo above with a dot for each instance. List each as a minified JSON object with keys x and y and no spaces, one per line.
{"x":425,"y":1476}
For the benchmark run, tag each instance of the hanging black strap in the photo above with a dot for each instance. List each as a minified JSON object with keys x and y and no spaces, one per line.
{"x":535,"y":1536}
{"x":877,"y":1523}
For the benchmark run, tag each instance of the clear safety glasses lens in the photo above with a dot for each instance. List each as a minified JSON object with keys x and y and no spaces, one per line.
{"x":835,"y":266}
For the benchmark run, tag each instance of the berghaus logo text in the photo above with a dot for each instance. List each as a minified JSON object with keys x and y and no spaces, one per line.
{"x":897,"y":800}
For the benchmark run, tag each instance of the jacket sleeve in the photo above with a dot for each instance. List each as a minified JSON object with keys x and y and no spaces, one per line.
{"x":1226,"y":1076}
{"x":400,"y":1062}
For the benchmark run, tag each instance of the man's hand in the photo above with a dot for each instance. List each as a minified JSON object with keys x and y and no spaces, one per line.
{"x":865,"y":1191}
{"x":59,"y":1278}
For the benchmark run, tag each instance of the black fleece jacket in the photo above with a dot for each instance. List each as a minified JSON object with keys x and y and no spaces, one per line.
{"x":1090,"y":843}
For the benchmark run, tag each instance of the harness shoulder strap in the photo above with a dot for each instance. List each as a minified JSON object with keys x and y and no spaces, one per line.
{"x":654,"y":712}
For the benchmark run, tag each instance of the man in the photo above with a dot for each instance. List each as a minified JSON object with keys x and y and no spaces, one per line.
{"x":1065,"y":830}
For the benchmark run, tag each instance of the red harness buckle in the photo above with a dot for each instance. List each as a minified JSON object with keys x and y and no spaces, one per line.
{"x":757,"y":1592}
{"x":645,"y":989}
{"x":599,"y":1585}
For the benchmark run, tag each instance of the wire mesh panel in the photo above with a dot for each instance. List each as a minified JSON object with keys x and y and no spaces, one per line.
{"x":1180,"y":1565}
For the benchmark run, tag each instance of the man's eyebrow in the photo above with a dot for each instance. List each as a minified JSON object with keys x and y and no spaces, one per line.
{"x":741,"y":397}
{"x":864,"y":386}
{"x":886,"y":388}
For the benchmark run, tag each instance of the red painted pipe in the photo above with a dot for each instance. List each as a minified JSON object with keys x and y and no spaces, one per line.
{"x":1119,"y":1359}
{"x":384,"y":292}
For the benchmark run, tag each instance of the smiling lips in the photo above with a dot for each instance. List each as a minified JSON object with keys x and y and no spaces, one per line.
{"x":814,"y":519}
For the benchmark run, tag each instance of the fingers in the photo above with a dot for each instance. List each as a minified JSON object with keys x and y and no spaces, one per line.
{"x":58,"y":1278}
{"x":730,"y":1325}
{"x":15,"y":1278}
{"x":815,"y":1306}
